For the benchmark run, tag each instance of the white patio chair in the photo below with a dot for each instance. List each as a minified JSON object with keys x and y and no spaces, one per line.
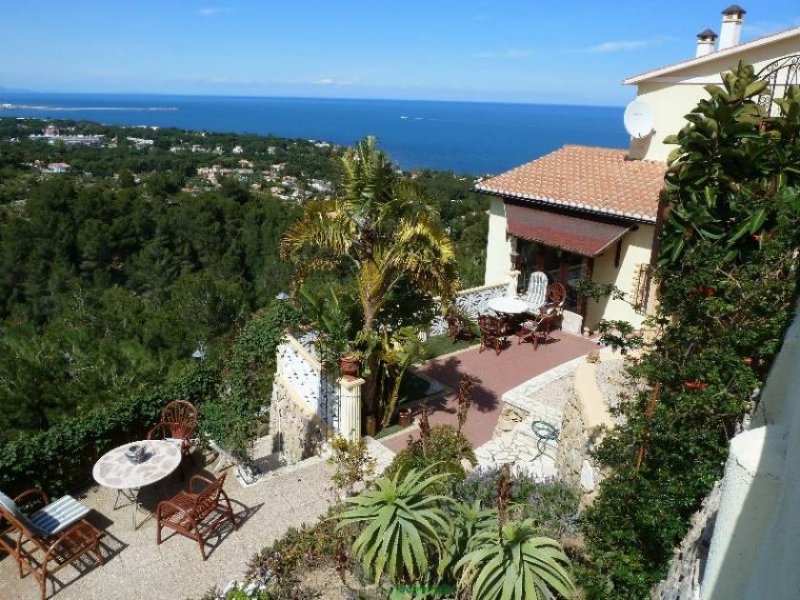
{"x":536,"y":295}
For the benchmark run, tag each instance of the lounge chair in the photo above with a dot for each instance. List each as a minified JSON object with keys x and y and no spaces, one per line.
{"x":536,"y":295}
{"x":51,"y":538}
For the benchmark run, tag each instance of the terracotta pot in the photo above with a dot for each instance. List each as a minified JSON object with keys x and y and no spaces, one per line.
{"x":371,"y":425}
{"x":748,"y":360}
{"x":709,"y":291}
{"x":348,"y":365}
{"x":695,"y":385}
{"x":404,"y":417}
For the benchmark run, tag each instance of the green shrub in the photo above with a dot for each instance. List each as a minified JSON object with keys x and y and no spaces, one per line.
{"x":551,"y":504}
{"x":59,"y":459}
{"x":444,"y":449}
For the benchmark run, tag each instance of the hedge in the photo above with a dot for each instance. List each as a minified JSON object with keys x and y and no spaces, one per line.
{"x":60,"y":459}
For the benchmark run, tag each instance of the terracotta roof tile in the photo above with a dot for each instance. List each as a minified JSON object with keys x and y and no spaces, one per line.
{"x":601,"y":180}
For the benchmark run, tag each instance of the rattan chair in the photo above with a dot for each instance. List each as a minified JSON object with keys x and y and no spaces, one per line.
{"x":458,"y":327}
{"x":494,"y":331}
{"x":53,"y":537}
{"x":178,"y":422}
{"x":537,"y":331}
{"x":196,"y":513}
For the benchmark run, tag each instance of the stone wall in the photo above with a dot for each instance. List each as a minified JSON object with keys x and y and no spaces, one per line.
{"x":585,"y":414}
{"x":686,"y":568}
{"x":298,"y":432}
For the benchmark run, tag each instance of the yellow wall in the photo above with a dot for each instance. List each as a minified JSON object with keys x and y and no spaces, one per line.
{"x":636,"y":250}
{"x":673,"y":96}
{"x":498,"y":248}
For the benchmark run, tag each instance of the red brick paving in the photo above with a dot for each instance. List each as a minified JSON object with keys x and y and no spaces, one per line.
{"x":497,"y":374}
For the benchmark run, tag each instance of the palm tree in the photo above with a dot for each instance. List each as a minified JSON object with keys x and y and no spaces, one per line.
{"x":382,"y":228}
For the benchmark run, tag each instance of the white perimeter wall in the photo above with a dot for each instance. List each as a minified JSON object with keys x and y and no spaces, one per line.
{"x":756,"y":542}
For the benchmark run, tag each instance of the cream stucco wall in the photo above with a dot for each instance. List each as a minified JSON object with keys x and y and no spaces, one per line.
{"x":756,"y":539}
{"x":498,"y":247}
{"x":673,"y":96}
{"x":636,"y":250}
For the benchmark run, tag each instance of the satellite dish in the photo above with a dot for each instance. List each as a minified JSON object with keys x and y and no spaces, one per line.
{"x":638,"y":119}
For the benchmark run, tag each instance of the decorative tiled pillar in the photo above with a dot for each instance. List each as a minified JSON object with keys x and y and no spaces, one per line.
{"x":350,"y":407}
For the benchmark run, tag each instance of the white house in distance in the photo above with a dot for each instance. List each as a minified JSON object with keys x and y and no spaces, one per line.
{"x":593,"y":213}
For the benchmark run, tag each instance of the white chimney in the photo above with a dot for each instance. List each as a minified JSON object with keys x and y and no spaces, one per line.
{"x":705,"y":43}
{"x":732,"y":18}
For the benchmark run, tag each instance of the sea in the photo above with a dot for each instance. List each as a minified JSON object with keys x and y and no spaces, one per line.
{"x":466,"y":137}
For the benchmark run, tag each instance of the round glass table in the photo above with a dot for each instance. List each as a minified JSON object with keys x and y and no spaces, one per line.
{"x":115,"y":470}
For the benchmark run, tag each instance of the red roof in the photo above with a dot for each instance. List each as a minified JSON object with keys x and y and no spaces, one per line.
{"x":601,"y":180}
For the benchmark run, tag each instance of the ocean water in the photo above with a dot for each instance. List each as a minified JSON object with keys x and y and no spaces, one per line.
{"x":466,"y":137}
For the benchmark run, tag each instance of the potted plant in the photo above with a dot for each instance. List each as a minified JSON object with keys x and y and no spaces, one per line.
{"x":404,"y":417}
{"x":349,"y":364}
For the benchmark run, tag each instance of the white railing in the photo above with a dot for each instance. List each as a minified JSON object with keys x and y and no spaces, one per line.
{"x":299,"y":367}
{"x":473,"y":301}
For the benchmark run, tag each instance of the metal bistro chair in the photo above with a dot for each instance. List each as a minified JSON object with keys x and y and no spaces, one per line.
{"x":53,"y":537}
{"x":536,"y":295}
{"x":557,"y":297}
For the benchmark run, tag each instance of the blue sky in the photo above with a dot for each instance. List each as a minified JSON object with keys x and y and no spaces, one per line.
{"x":501,"y":50}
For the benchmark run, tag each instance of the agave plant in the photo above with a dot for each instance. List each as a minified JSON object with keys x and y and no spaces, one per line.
{"x":466,"y":519}
{"x":519,"y":565}
{"x":404,"y":523}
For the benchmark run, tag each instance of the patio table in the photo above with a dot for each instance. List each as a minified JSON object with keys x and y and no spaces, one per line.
{"x":114,"y":470}
{"x":508,"y":306}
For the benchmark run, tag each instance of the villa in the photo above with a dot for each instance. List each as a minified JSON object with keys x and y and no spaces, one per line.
{"x":593,"y":213}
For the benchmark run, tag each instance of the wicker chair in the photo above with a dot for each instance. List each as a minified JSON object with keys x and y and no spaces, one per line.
{"x":178,"y":422}
{"x":458,"y":327}
{"x":494,"y":332}
{"x":198,"y":512}
{"x":537,"y":331}
{"x":51,"y":538}
{"x":557,"y":297}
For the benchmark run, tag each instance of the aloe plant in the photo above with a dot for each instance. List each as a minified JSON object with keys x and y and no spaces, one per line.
{"x":404,"y":523}
{"x":519,"y":565}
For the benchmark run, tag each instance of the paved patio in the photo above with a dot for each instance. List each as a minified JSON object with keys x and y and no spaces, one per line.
{"x":496,"y":375}
{"x":138,"y":569}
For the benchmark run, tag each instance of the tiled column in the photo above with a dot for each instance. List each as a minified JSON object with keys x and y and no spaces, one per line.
{"x":350,"y":408}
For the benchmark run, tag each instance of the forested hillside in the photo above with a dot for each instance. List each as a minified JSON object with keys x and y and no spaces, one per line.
{"x":112,"y":275}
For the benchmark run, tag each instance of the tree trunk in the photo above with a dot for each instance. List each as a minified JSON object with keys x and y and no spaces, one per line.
{"x":368,"y":398}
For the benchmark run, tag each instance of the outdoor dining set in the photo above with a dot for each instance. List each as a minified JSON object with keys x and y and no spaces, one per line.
{"x":531,"y":317}
{"x":43,"y":536}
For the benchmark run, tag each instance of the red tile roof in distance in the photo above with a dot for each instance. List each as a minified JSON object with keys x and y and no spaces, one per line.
{"x":601,"y":180}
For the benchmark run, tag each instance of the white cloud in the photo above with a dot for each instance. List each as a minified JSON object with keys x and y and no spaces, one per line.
{"x":508,"y":53}
{"x":209,"y":12}
{"x":623,"y":45}
{"x":331,"y":81}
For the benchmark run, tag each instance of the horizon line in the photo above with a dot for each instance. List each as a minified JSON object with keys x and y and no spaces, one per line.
{"x":300,"y":97}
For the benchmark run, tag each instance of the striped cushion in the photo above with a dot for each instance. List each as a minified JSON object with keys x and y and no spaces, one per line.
{"x":58,"y":515}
